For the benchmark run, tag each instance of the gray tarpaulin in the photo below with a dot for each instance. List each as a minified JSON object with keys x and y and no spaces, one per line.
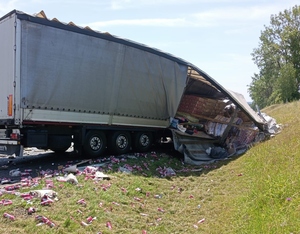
{"x":64,"y":70}
{"x":241,"y":101}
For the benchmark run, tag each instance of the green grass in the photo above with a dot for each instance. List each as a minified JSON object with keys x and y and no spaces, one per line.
{"x":257,"y":192}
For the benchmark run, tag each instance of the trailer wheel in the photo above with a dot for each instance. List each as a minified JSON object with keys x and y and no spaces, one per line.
{"x":94,"y":143}
{"x":143,"y":141}
{"x":120,"y":142}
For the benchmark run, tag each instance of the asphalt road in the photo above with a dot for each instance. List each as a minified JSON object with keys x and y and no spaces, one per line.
{"x":40,"y":161}
{"x":34,"y":160}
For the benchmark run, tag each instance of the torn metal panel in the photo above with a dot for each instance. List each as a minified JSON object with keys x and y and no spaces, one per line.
{"x":193,"y":148}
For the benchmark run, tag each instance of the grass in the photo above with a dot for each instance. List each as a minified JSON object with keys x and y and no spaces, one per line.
{"x":257,"y":192}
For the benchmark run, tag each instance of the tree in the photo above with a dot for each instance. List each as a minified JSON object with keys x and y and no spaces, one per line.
{"x":278,"y":60}
{"x":287,"y":83}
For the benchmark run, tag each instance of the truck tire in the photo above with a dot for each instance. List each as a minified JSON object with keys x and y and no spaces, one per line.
{"x":143,"y":141}
{"x":120,"y":142}
{"x":94,"y":143}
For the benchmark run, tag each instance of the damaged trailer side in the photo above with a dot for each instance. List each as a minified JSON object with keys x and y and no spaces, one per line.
{"x":213,"y":123}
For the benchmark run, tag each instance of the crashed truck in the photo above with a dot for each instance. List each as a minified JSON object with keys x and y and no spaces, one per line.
{"x":63,"y":85}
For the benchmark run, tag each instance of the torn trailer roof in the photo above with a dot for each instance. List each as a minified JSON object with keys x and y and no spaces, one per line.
{"x":207,"y":121}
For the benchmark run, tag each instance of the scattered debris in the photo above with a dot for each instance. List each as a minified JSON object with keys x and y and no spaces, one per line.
{"x":81,"y":202}
{"x":83,"y":223}
{"x":46,"y":200}
{"x":12,"y":187}
{"x":71,"y":169}
{"x":70,"y":178}
{"x":101,"y":175}
{"x":43,"y":220}
{"x":125,"y":170}
{"x":15,"y":173}
{"x":124,"y":190}
{"x":138,"y":189}
{"x":43,"y":192}
{"x":31,"y":210}
{"x":160,"y":209}
{"x":9,"y":216}
{"x":93,"y":171}
{"x":108,"y":224}
{"x":5,"y":202}
{"x":166,"y":171}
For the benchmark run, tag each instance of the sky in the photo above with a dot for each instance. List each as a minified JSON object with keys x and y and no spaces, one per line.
{"x":217,"y":36}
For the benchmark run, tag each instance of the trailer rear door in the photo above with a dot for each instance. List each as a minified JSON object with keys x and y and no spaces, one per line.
{"x":7,"y":68}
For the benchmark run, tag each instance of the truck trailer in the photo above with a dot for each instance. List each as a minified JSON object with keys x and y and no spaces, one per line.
{"x":61,"y":84}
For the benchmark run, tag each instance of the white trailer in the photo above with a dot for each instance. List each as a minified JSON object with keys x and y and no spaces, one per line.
{"x":63,"y":84}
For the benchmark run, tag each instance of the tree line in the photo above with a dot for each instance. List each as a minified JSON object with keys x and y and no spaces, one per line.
{"x":278,"y":60}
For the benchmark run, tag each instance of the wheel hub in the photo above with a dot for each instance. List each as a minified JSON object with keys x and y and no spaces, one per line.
{"x":95,"y":143}
{"x":122,"y":142}
{"x":144,"y":140}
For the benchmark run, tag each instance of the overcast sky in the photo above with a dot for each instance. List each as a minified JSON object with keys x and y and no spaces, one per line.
{"x":218,"y":36}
